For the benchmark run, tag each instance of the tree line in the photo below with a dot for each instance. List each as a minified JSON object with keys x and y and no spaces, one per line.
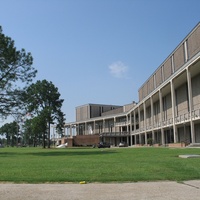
{"x":20,"y":98}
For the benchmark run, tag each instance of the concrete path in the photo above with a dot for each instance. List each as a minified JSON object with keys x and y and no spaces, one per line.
{"x":111,"y":191}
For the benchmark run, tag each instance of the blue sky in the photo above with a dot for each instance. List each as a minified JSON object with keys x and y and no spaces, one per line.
{"x":97,"y":51}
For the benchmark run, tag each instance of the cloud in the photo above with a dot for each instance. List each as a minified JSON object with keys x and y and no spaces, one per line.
{"x":118,"y":69}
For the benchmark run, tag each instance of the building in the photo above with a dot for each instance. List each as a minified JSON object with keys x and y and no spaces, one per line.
{"x":168,"y":111}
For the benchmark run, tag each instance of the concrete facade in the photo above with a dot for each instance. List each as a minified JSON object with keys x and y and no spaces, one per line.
{"x":168,"y":111}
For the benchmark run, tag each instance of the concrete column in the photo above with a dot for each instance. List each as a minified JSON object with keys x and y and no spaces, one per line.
{"x":86,"y":128}
{"x":152,"y":121}
{"x":127,"y":123}
{"x":131,"y":139}
{"x":139,"y":117}
{"x":162,"y":136}
{"x":134,"y":118}
{"x":114,"y":125}
{"x":190,"y":105}
{"x":144,"y":107}
{"x":189,"y":91}
{"x":153,"y":137}
{"x":161,"y":107}
{"x":139,"y":125}
{"x":130,"y":122}
{"x":186,"y":51}
{"x":103,"y":125}
{"x":173,"y":109}
{"x":161,"y":117}
{"x":70,"y":132}
{"x":145,"y":136}
{"x":192,"y":131}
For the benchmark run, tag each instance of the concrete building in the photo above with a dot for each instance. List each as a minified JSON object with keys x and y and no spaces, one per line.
{"x":168,"y":111}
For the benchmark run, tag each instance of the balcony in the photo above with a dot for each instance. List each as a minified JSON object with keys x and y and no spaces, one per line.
{"x":195,"y":115}
{"x":115,"y":134}
{"x":124,"y":123}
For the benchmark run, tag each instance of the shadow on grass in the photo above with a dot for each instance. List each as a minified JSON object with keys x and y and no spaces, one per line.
{"x":60,"y":152}
{"x":6,"y":154}
{"x":57,"y":152}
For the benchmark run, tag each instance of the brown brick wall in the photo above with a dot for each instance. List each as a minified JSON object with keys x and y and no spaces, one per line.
{"x":158,"y":77}
{"x":141,"y":118}
{"x":193,"y":47}
{"x":82,"y":113}
{"x":85,"y":140}
{"x":63,"y":140}
{"x":197,"y":133}
{"x":156,"y":112}
{"x":145,"y":92}
{"x":182,"y":100}
{"x":95,"y":111}
{"x":168,"y":106}
{"x":69,"y":141}
{"x":196,"y":91}
{"x":179,"y":58}
{"x":151,"y":84}
{"x":140,"y":94}
{"x":128,"y":107}
{"x":167,"y":69}
{"x":148,"y":116}
{"x":114,"y":111}
{"x":194,"y":43}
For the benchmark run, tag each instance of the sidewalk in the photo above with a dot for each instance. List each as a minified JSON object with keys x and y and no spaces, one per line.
{"x":111,"y":191}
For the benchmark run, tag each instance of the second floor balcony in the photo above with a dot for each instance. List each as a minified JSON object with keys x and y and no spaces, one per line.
{"x":114,"y":134}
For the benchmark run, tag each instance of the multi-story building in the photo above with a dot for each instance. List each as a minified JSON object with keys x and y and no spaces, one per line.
{"x":168,"y":110}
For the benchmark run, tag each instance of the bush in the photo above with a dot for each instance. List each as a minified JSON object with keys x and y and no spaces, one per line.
{"x":150,"y":141}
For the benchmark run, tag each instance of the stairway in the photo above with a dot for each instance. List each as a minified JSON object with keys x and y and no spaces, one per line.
{"x":194,"y":145}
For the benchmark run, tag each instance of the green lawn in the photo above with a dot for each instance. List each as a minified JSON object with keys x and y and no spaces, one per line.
{"x":37,"y":165}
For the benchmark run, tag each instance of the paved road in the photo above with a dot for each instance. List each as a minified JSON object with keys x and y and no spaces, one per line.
{"x":141,"y":190}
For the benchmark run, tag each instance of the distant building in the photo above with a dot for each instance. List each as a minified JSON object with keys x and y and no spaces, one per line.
{"x":168,"y":110}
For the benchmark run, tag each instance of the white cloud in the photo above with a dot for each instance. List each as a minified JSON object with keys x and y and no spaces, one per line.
{"x":118,"y":69}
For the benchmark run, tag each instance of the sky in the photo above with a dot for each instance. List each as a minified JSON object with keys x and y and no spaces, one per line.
{"x":97,"y":51}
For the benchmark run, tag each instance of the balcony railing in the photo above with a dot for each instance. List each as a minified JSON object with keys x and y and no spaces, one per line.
{"x":195,"y":115}
{"x":125,"y":123}
{"x":114,"y":134}
{"x":150,"y":126}
{"x":121,"y":123}
{"x":182,"y":118}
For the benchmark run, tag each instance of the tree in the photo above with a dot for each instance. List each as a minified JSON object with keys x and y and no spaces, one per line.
{"x":35,"y":130}
{"x":16,"y":72}
{"x":39,"y":129}
{"x":11,"y":131}
{"x":27,"y":132}
{"x":43,"y":100}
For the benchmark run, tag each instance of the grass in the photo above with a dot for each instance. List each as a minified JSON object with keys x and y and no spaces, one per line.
{"x":37,"y":165}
